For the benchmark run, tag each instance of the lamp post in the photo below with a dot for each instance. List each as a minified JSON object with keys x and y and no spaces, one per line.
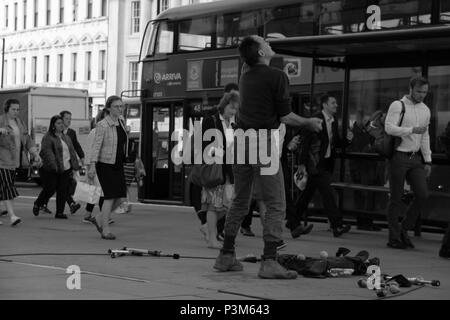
{"x":3,"y":60}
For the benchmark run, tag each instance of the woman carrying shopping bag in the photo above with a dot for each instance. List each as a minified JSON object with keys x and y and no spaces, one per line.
{"x":106,"y":160}
{"x":59,"y":159}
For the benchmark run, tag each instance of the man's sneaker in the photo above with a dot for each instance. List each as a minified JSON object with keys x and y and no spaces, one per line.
{"x":271,"y":269}
{"x":247,"y":232}
{"x":15,"y":221}
{"x":204,"y":232}
{"x":299,"y":230}
{"x":45,"y":210}
{"x":36,"y":210}
{"x":228,"y":262}
{"x":74,"y":207}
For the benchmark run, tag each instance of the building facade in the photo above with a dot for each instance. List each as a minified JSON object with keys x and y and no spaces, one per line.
{"x":85,"y":44}
{"x":55,"y":44}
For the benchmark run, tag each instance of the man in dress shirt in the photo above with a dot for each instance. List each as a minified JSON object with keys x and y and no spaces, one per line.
{"x":317,"y":154}
{"x":411,"y":161}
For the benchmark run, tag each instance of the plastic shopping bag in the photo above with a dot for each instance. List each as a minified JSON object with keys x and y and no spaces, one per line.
{"x":87,"y":193}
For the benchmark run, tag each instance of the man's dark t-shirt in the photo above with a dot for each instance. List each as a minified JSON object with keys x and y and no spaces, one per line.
{"x":265,"y":98}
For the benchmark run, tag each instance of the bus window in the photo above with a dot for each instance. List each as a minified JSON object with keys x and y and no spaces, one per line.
{"x":291,"y":21}
{"x":232,"y":28}
{"x":196,"y":34}
{"x":150,"y":39}
{"x":164,"y":43}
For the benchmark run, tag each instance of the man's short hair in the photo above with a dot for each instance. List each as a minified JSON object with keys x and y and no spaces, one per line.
{"x":63,"y":113}
{"x":324,"y":99}
{"x":248,"y":50}
{"x":8,"y":104}
{"x":418,"y":81}
{"x":230,"y":86}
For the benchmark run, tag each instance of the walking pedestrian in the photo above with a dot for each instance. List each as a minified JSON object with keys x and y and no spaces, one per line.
{"x":67,"y":118}
{"x":317,"y":155}
{"x":106,"y":160}
{"x":265,"y":102}
{"x":411,"y":161}
{"x":14,"y":138}
{"x":216,"y":201}
{"x":58,"y":162}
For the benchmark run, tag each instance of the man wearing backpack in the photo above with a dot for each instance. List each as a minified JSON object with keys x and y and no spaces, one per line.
{"x":411,"y":160}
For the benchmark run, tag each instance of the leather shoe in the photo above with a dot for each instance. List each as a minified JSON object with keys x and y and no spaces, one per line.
{"x":35,"y":210}
{"x":108,"y":236}
{"x":339,"y":231}
{"x":396,"y":244}
{"x":60,"y":216}
{"x":247,"y":232}
{"x":299,"y":230}
{"x":405,"y":239}
{"x":444,"y":253}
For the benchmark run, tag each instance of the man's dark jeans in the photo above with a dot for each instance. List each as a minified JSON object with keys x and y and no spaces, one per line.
{"x":272,"y":188}
{"x":410,"y":167}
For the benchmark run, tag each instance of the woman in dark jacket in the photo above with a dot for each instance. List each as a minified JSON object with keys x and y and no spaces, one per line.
{"x":59,"y":159}
{"x":216,"y":201}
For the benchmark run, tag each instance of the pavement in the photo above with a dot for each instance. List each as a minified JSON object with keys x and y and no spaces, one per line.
{"x":26,"y":274}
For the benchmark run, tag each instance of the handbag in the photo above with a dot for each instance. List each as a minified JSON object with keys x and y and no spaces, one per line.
{"x":207,"y":175}
{"x":386,"y":144}
{"x":87,"y":193}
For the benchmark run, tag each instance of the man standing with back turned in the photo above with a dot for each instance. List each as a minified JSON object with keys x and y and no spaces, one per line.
{"x":411,"y":160}
{"x":265,"y":102}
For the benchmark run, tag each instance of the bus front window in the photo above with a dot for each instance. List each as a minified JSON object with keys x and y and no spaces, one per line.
{"x":164,"y":40}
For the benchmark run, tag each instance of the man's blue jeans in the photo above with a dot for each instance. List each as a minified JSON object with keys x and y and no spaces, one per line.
{"x":272,"y":189}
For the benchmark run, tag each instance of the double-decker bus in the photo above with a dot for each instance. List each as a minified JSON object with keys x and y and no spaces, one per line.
{"x":361,"y":52}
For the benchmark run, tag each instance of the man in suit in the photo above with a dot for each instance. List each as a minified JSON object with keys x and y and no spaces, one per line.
{"x":67,"y":119}
{"x":317,"y":154}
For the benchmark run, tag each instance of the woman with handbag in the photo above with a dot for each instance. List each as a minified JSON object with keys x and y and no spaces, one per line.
{"x":107,"y":157}
{"x":59,"y":159}
{"x":216,"y":200}
{"x":14,"y":140}
{"x":90,"y":141}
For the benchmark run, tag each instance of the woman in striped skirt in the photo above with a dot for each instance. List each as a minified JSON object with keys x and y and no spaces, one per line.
{"x":13,"y":138}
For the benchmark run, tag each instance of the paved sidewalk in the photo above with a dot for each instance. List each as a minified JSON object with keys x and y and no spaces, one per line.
{"x":176,"y":230}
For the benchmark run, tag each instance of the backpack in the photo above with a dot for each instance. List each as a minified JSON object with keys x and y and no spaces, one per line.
{"x":385,"y":144}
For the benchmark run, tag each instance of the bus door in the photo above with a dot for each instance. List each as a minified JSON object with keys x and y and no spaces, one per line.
{"x":164,"y":177}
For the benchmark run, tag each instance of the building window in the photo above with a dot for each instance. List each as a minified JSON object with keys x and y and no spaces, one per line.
{"x":101,"y":64}
{"x":134,"y":82}
{"x":104,"y":8}
{"x":75,"y":10}
{"x":23,"y":69}
{"x":60,"y":67}
{"x":135,"y":16}
{"x":14,"y":71}
{"x":49,"y":13}
{"x":163,"y":5}
{"x":61,"y":11}
{"x":6,"y":16}
{"x":36,"y":15}
{"x":5,"y":71}
{"x":88,"y":65}
{"x":15,"y":15}
{"x":46,"y":68}
{"x":33,"y":69}
{"x":74,"y":66}
{"x":89,"y":9}
{"x":25,"y":9}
